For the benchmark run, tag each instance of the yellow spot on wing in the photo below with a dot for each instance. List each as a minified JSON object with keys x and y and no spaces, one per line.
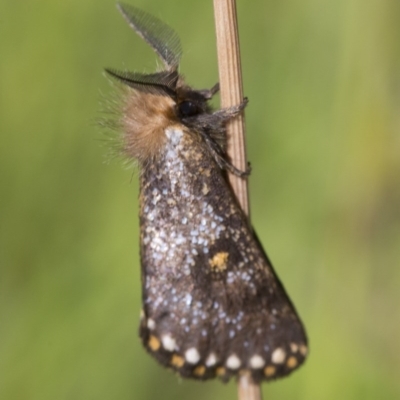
{"x":177,"y":361}
{"x":269,"y":371}
{"x":154,"y":343}
{"x":219,"y":261}
{"x":221,"y":371}
{"x":291,"y":362}
{"x":200,"y":370}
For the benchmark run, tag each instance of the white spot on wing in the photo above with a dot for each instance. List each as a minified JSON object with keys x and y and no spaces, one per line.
{"x":233,"y":362}
{"x":192,"y":355}
{"x":151,"y":324}
{"x":294,"y":347}
{"x":257,"y":362}
{"x":278,"y":356}
{"x":168,"y":342}
{"x":211,"y":360}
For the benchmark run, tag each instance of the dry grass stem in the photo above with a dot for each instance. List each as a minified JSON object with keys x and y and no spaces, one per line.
{"x":230,"y":78}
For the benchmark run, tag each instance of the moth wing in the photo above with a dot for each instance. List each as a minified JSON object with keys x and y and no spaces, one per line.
{"x":216,"y":307}
{"x":251,"y":323}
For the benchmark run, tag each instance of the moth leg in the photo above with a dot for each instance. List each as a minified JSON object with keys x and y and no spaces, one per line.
{"x":227,"y":165}
{"x":209,"y":93}
{"x":212,"y":130}
{"x":222,"y":161}
{"x":217,"y":119}
{"x":224,"y":115}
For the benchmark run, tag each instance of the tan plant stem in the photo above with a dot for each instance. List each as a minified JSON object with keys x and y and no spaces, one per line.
{"x":230,"y":78}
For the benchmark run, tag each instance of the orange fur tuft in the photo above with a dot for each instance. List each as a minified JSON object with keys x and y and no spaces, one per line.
{"x":144,"y":119}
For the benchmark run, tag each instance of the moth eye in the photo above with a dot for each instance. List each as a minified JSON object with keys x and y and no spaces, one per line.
{"x":188,"y":109}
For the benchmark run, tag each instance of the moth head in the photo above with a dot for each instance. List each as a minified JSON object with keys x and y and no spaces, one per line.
{"x":168,"y":83}
{"x":158,"y":100}
{"x":152,"y":103}
{"x":191,"y":103}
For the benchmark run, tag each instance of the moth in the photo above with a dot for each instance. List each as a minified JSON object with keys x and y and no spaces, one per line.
{"x":212,"y":304}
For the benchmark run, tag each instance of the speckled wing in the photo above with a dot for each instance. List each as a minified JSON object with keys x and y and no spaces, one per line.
{"x":212,"y":304}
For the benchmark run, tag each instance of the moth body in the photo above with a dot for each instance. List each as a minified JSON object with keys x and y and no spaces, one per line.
{"x":212,"y":304}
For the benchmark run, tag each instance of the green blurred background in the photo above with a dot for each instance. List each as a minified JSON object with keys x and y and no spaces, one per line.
{"x":323,"y":138}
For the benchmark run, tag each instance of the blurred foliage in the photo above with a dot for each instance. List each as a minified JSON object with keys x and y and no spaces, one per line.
{"x":323,"y":138}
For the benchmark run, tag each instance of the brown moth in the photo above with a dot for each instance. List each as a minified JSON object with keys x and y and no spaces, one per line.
{"x":212,"y":304}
